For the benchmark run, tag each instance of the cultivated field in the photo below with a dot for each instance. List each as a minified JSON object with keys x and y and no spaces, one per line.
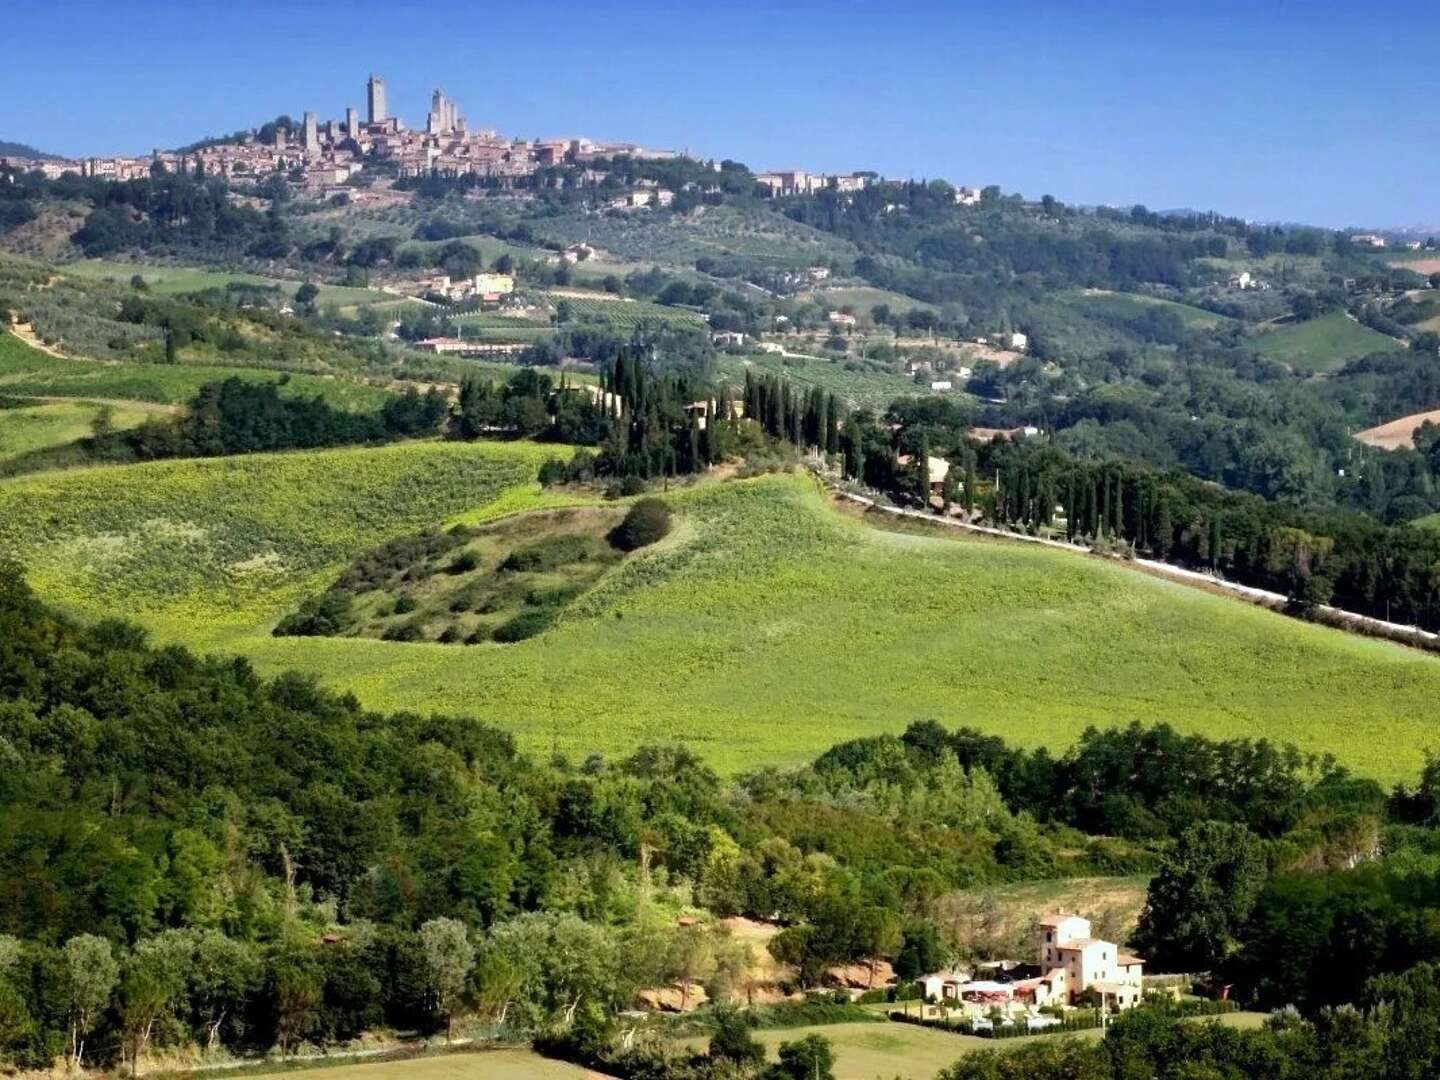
{"x":200,"y":550}
{"x":855,"y":381}
{"x":28,"y":372}
{"x":766,"y":628}
{"x":483,"y":1065}
{"x":751,"y":237}
{"x":1103,"y":302}
{"x":1322,"y":344}
{"x":1394,"y":434}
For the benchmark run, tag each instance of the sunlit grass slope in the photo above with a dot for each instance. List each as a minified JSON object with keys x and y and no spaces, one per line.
{"x":764,"y":629}
{"x":201,"y":550}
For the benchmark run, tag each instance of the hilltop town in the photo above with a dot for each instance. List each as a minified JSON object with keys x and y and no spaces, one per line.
{"x":322,"y":157}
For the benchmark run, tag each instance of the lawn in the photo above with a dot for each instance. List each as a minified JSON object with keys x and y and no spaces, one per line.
{"x":766,"y":628}
{"x":482,"y":1065}
{"x":45,"y":424}
{"x":28,"y":372}
{"x":1322,"y":344}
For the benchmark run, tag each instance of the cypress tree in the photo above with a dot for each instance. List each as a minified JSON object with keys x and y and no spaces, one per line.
{"x":969,"y":482}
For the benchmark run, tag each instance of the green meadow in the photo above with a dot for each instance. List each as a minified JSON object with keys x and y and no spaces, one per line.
{"x":765,"y":628}
{"x":1129,"y":305}
{"x":1322,"y":344}
{"x":169,"y":280}
{"x":30,"y":426}
{"x":28,"y":372}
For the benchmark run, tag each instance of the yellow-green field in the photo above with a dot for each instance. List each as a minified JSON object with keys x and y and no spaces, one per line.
{"x":44,"y":424}
{"x":766,"y":628}
{"x":28,"y":372}
{"x":203,"y":551}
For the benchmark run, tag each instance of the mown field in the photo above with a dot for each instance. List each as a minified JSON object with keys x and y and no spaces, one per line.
{"x":891,"y":1051}
{"x":766,"y":628}
{"x":43,"y":424}
{"x":1322,"y":344}
{"x":483,"y":1065}
{"x":28,"y":372}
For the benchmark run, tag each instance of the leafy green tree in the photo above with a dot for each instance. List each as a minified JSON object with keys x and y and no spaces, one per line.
{"x":152,"y":983}
{"x":810,"y":1058}
{"x":1206,"y":886}
{"x":732,"y":1041}
{"x":90,"y":974}
{"x":920,"y":952}
{"x":448,"y":960}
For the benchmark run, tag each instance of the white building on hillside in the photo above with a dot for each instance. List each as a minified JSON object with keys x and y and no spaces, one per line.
{"x":1063,"y":944}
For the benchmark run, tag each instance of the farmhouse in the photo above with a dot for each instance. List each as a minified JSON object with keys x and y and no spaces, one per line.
{"x":1076,"y":962}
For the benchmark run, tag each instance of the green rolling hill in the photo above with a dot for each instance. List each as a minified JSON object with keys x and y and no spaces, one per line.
{"x":767,"y":627}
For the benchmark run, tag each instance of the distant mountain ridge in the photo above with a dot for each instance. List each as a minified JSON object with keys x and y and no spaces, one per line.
{"x":17,"y":149}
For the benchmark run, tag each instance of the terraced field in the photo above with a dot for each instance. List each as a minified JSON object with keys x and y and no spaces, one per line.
{"x":764,"y":629}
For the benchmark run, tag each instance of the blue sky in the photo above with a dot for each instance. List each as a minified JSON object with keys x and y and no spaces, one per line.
{"x":1320,"y":111}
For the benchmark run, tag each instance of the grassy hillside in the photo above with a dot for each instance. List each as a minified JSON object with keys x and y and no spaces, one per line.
{"x":41,"y":425}
{"x":1322,"y":344}
{"x":756,"y":237}
{"x":28,"y":372}
{"x":764,"y":629}
{"x":201,"y":549}
{"x":1129,"y":305}
{"x":173,"y":280}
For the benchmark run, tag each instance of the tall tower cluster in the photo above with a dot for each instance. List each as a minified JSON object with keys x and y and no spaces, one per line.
{"x":442,"y":119}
